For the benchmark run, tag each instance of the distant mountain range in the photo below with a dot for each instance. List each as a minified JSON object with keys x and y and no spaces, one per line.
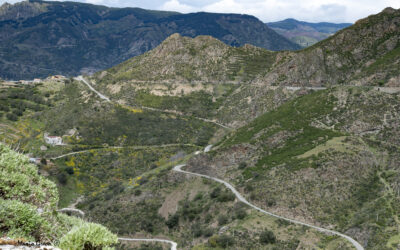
{"x":38,"y":38}
{"x":306,"y":34}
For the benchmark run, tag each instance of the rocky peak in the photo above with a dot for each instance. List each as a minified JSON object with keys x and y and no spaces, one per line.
{"x":181,"y":46}
{"x":389,"y":10}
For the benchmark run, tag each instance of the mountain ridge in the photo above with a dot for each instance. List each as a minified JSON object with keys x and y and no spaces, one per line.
{"x":73,"y":38}
{"x":366,"y":53}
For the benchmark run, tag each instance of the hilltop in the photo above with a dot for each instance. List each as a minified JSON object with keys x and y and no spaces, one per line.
{"x":72,"y":38}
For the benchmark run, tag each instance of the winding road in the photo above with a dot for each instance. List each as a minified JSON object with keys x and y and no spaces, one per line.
{"x":357,"y":245}
{"x":178,"y":168}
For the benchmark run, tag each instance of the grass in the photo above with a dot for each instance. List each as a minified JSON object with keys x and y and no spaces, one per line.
{"x":336,"y":143}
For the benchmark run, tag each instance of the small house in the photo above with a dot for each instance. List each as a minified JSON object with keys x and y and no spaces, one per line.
{"x":53,"y":140}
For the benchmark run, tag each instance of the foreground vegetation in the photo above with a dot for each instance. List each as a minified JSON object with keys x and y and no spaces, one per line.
{"x":28,"y":209}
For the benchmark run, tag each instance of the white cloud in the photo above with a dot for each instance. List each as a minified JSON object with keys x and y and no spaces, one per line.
{"x":266,"y":10}
{"x":175,"y":5}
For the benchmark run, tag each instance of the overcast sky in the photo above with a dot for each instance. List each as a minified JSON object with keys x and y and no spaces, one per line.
{"x":266,"y":10}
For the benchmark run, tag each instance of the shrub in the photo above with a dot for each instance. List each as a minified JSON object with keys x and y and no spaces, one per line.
{"x":21,"y":220}
{"x":88,"y":236}
{"x":69,"y":170}
{"x":215,"y":193}
{"x":242,"y":165}
{"x":267,"y":237}
{"x":226,"y":196}
{"x":20,"y":180}
{"x":173,"y":221}
{"x":240,"y":213}
{"x":18,"y":112}
{"x":12,"y":117}
{"x":222,"y":220}
{"x":207,"y":232}
{"x":43,"y":161}
{"x":225,"y":241}
{"x":62,"y":178}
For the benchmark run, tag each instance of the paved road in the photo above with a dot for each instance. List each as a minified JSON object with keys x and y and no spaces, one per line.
{"x":80,"y":78}
{"x":173,"y":243}
{"x":357,"y":245}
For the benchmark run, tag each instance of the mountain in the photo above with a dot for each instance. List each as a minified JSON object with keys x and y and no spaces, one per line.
{"x":366,"y":53}
{"x":325,"y":156}
{"x":201,"y":59}
{"x":72,"y":38}
{"x":304,"y":33}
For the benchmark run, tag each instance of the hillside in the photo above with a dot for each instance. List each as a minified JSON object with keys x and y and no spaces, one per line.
{"x":325,"y":158}
{"x":304,"y":33}
{"x":72,"y":38}
{"x":366,"y":53}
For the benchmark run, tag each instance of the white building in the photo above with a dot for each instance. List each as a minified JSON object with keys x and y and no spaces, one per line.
{"x":53,"y":140}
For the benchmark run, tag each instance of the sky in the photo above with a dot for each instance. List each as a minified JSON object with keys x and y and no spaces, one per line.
{"x":266,"y":10}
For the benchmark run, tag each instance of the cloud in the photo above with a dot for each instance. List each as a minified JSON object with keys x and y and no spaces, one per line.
{"x":175,"y":5}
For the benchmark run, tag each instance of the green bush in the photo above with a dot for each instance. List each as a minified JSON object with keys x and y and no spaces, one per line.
{"x":88,"y":236}
{"x":21,"y":220}
{"x":20,"y":180}
{"x":28,"y":204}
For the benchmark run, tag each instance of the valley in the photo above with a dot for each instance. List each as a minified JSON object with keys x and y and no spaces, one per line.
{"x":196,"y":144}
